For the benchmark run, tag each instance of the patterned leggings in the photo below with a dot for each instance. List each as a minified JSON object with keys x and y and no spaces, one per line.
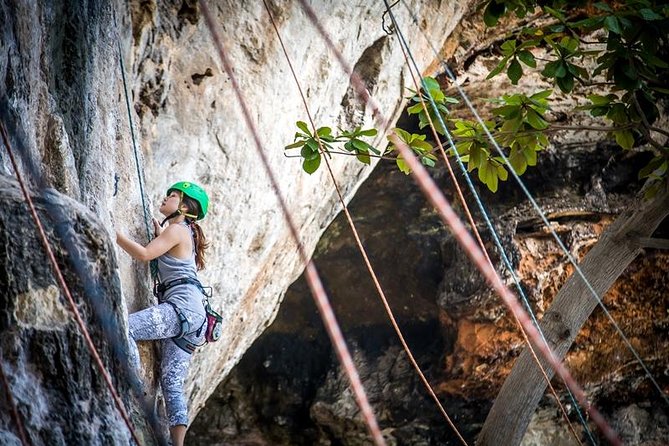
{"x":161,"y":322}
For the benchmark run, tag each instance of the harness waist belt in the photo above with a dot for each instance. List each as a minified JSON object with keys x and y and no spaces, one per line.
{"x":160,"y":288}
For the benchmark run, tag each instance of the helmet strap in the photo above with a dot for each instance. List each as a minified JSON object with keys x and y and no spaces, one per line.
{"x":171,"y":216}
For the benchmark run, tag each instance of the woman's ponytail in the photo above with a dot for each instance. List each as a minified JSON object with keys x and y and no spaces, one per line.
{"x":200,"y":245}
{"x":198,"y":235}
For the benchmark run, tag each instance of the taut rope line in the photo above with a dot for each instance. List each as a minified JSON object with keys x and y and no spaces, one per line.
{"x":313,"y":279}
{"x":406,"y":51}
{"x":448,"y":215}
{"x":66,"y":291}
{"x":362,"y":250}
{"x":545,"y":221}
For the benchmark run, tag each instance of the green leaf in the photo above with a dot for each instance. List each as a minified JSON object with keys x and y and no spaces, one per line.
{"x":507,"y":111}
{"x":651,"y":167}
{"x":490,"y":174}
{"x":361,"y":146}
{"x":599,"y":99}
{"x":544,"y":94}
{"x":403,"y":134}
{"x":368,"y":132}
{"x":310,"y":166}
{"x":308,"y":154}
{"x":599,"y":111}
{"x":499,"y":68}
{"x":612,"y":24}
{"x":324,"y":131}
{"x":566,"y":84}
{"x":624,"y":138}
{"x":551,"y":68}
{"x":464,"y":147}
{"x":427,"y":161}
{"x":313,"y":144}
{"x":536,"y":120}
{"x":530,"y":155}
{"x":618,"y":114}
{"x":421,"y":146}
{"x":430,"y":83}
{"x":502,"y":173}
{"x":304,"y":127}
{"x":527,"y":58}
{"x":363,"y":157}
{"x":649,"y":14}
{"x":476,"y":157}
{"x":508,"y":47}
{"x":515,"y":71}
{"x":493,"y":12}
{"x":660,"y":90}
{"x":294,"y":145}
{"x":403,"y":165}
{"x":517,"y":160}
{"x":415,"y":109}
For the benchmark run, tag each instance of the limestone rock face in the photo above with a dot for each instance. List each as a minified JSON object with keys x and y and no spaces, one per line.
{"x":62,"y":101}
{"x":59,"y":393}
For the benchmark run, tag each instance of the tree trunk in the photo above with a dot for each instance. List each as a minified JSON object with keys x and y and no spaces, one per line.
{"x":607,"y":260}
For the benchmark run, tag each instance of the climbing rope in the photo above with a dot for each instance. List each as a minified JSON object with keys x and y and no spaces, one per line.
{"x":153,"y":265}
{"x":410,"y":60}
{"x":539,"y":211}
{"x":313,"y":279}
{"x":362,"y":250}
{"x":12,"y":404}
{"x":467,"y":242}
{"x":61,"y":280}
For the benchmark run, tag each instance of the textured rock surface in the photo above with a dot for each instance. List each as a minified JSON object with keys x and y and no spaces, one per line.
{"x":61,"y":97}
{"x":60,"y":394}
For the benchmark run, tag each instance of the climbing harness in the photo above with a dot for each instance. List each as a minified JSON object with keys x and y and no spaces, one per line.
{"x":213,"y":323}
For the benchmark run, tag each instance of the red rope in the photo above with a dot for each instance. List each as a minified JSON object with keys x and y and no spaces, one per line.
{"x":66,"y":290}
{"x":449,"y":217}
{"x":361,"y":248}
{"x":313,"y":279}
{"x":461,"y":197}
{"x":12,"y":404}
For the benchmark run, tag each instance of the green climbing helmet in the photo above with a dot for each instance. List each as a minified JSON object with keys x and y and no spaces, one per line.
{"x":195,"y":192}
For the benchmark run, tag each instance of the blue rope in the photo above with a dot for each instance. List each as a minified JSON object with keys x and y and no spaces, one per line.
{"x":152,"y":264}
{"x":542,"y":215}
{"x":485,"y":215}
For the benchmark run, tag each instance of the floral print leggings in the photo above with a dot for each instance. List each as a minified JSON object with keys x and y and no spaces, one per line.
{"x":161,"y":322}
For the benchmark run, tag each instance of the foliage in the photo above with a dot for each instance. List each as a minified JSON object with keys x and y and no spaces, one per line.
{"x":625,"y":41}
{"x":310,"y":149}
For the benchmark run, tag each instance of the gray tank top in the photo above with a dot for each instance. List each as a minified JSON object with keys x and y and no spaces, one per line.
{"x":185,"y":296}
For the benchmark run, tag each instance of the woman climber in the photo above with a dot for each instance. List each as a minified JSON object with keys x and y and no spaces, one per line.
{"x":179,"y":319}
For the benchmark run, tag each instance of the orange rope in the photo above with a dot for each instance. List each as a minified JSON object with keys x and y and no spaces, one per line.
{"x":359,"y":242}
{"x":311,"y":274}
{"x":480,"y":241}
{"x":66,"y":291}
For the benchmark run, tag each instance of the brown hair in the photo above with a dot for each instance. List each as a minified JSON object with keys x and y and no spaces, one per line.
{"x":198,"y":235}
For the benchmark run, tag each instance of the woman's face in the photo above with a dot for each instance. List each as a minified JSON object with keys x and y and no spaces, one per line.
{"x":170,"y":203}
